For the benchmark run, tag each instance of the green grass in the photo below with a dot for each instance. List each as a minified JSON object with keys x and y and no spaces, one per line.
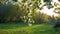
{"x":24,"y":29}
{"x":12,"y":26}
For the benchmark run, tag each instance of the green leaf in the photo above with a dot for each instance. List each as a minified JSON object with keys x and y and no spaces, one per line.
{"x":15,"y":0}
{"x":46,"y":0}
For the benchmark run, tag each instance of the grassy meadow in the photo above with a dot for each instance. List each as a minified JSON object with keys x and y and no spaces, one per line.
{"x":25,"y":29}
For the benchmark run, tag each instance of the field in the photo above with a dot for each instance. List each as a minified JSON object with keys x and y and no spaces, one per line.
{"x":25,"y":29}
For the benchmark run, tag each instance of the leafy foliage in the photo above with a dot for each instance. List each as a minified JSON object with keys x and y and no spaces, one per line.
{"x":15,"y":0}
{"x":46,"y":0}
{"x":12,"y":11}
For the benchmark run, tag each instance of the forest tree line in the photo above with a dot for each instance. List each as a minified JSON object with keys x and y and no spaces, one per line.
{"x":19,"y":12}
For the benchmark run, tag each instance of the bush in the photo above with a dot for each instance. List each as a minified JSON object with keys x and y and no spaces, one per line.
{"x":57,"y":25}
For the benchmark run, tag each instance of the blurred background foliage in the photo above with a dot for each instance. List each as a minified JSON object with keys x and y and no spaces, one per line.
{"x":13,"y":11}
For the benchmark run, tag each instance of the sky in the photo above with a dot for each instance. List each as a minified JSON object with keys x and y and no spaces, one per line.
{"x":47,"y":11}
